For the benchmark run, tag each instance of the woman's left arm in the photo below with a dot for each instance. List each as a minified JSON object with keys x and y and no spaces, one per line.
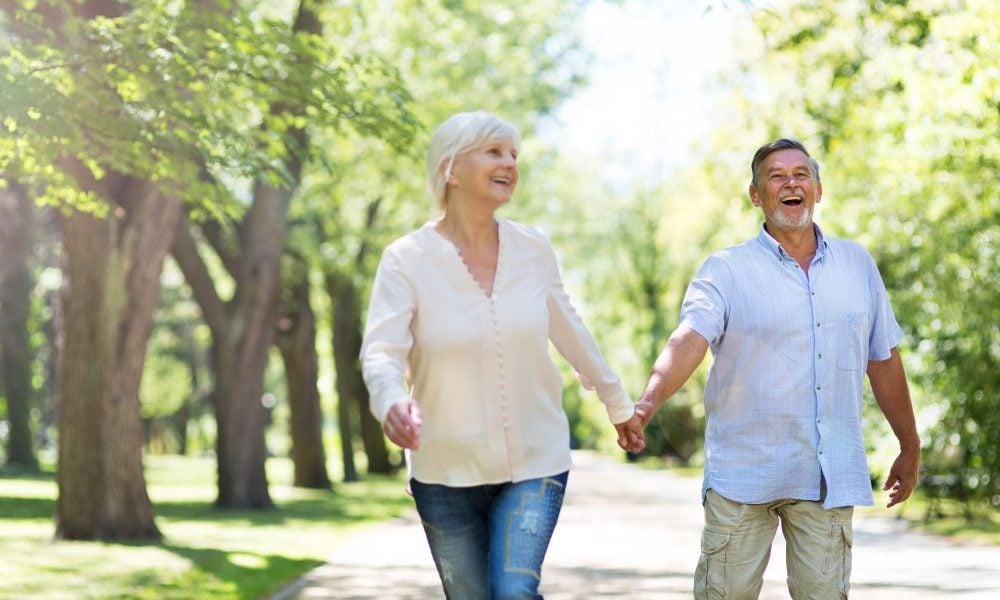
{"x":576,"y":343}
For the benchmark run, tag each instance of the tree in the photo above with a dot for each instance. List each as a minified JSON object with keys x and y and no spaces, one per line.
{"x":16,"y":282}
{"x":110,"y":280}
{"x":242,"y":328}
{"x":297,"y":342}
{"x":353,"y":406}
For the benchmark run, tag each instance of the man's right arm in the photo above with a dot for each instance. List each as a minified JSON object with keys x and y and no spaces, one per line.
{"x":683,"y":353}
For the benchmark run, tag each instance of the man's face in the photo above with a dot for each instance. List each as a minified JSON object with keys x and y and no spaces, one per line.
{"x":786,"y":190}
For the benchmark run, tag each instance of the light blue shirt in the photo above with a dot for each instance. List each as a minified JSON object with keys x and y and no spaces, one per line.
{"x":784,"y":393}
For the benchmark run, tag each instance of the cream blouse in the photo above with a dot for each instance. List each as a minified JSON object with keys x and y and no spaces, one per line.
{"x":478,"y":366}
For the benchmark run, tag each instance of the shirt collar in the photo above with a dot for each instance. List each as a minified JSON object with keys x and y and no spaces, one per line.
{"x":771,"y":245}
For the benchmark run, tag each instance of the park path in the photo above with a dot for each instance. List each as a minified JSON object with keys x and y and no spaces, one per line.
{"x":633,"y":533}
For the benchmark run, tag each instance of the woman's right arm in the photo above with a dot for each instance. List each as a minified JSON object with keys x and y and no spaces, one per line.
{"x":387,"y":342}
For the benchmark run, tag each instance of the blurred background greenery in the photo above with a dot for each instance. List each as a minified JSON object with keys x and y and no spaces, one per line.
{"x":195,"y":194}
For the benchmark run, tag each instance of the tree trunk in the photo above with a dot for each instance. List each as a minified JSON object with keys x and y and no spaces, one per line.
{"x":243,"y":353}
{"x":297,"y":342}
{"x":351,"y":389}
{"x":17,"y":234}
{"x":243,"y":329}
{"x":110,"y":289}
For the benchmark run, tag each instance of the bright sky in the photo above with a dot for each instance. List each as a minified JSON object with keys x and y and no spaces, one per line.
{"x":647,"y":96}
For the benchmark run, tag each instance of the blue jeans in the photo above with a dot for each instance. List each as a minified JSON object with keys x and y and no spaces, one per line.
{"x":488,"y":541}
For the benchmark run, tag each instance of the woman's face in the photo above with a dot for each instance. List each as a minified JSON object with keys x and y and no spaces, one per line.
{"x":488,"y":173}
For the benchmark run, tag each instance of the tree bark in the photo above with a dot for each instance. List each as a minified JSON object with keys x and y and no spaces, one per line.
{"x":17,"y":235}
{"x":110,"y":289}
{"x":297,"y":342}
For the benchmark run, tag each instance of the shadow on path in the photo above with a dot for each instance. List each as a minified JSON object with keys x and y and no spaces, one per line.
{"x":632,"y":533}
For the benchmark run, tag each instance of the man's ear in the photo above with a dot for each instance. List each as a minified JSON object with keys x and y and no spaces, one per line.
{"x":754,"y":199}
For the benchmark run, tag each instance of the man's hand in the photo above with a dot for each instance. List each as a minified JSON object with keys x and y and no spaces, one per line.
{"x":902,"y":477}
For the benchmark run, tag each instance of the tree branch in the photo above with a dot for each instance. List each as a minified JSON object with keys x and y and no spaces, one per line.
{"x":185,"y":251}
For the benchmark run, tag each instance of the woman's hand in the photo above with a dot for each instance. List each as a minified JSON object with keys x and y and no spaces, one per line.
{"x":630,"y":436}
{"x":402,"y":425}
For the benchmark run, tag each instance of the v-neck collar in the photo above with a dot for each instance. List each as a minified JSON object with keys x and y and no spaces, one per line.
{"x":452,"y":248}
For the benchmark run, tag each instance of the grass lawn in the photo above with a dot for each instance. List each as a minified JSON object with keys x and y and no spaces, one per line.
{"x":205,"y":553}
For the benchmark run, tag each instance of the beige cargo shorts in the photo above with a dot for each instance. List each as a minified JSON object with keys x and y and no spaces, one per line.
{"x":736,"y":545}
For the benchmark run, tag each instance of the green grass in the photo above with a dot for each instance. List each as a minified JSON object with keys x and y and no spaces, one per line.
{"x":205,"y":553}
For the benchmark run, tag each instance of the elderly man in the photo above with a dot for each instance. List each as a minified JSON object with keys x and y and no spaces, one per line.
{"x":794,"y":320}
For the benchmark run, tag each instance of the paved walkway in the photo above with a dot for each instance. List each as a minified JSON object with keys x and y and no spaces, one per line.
{"x":632,"y":533}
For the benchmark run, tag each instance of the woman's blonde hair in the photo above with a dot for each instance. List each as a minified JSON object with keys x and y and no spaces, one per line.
{"x":461,"y":133}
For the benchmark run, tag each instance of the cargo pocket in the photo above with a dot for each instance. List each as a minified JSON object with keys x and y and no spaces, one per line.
{"x":837,"y":566}
{"x":847,"y":531}
{"x":710,"y":578}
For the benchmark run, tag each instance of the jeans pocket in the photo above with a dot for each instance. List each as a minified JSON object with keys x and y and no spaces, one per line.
{"x":710,"y":577}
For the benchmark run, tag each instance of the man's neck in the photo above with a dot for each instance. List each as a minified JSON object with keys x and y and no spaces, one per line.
{"x":800,"y":244}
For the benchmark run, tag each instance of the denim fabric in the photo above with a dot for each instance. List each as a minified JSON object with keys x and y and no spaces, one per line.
{"x":488,"y":541}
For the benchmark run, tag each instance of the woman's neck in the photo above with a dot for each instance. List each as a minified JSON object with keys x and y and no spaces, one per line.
{"x":468,"y":230}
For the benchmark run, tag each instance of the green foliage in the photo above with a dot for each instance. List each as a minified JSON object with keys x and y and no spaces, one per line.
{"x":168,"y":93}
{"x":899,"y":100}
{"x":515,"y":59}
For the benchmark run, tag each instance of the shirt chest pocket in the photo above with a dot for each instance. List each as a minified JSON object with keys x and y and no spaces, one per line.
{"x":852,"y":341}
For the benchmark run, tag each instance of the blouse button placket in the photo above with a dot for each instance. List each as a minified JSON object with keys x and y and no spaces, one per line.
{"x":501,"y":368}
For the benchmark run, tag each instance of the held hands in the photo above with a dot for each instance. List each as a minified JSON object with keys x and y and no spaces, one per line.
{"x":902,"y":477}
{"x":402,"y":425}
{"x":630,"y":436}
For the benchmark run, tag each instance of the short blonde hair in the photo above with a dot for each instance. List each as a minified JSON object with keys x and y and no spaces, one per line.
{"x":461,"y":133}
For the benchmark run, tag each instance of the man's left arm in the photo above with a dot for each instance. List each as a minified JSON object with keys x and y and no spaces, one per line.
{"x":888,"y":381}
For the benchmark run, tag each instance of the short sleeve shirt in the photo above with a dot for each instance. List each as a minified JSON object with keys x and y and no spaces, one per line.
{"x":783,"y":400}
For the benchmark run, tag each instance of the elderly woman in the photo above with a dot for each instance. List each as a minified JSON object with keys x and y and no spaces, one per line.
{"x":463,"y":308}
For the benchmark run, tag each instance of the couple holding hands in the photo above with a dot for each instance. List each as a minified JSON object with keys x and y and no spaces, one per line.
{"x":456,"y":359}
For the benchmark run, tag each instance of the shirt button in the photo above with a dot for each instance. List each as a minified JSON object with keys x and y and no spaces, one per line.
{"x":817,"y":324}
{"x":819,"y":387}
{"x":819,"y":356}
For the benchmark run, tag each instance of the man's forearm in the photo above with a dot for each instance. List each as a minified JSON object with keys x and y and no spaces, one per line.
{"x":888,"y":381}
{"x":683,"y":353}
